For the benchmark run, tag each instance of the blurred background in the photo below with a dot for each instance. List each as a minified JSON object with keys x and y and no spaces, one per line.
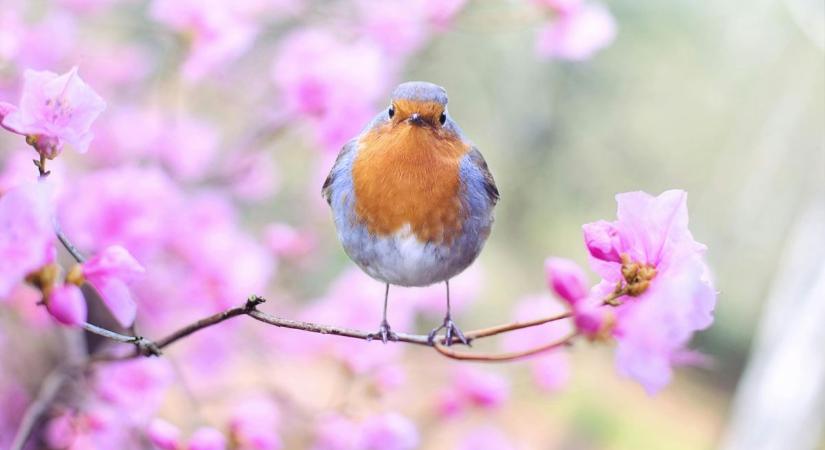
{"x":723,"y":99}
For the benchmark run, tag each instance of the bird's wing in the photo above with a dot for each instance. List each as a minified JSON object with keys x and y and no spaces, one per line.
{"x":487,"y":180}
{"x":346,"y":150}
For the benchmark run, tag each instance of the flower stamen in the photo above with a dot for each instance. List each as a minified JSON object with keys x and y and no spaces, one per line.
{"x":637,"y":276}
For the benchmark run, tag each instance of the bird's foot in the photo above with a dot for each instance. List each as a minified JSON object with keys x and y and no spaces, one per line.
{"x":384,"y":333}
{"x":450,"y":331}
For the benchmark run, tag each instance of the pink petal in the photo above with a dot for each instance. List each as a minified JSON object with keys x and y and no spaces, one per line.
{"x":551,"y":372}
{"x":67,"y":305}
{"x":650,"y":224}
{"x":389,"y":431}
{"x":566,"y":279}
{"x":207,"y":438}
{"x":58,"y":107}
{"x":602,"y":240}
{"x":117,"y":298}
{"x":61,"y":432}
{"x":578,"y":33}
{"x":5,"y":110}
{"x":26,"y":232}
{"x":114,"y":261}
{"x":164,"y":435}
{"x":482,"y":388}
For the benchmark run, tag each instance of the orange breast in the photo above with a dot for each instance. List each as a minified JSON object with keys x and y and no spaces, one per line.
{"x":407,"y":174}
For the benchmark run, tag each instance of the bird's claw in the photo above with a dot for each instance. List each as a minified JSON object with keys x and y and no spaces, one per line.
{"x":450,"y":331}
{"x":384,"y":333}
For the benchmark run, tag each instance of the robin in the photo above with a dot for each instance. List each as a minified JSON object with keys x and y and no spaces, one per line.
{"x":412,"y":199}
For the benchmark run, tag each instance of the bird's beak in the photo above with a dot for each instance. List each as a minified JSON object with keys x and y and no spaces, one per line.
{"x":416,"y":119}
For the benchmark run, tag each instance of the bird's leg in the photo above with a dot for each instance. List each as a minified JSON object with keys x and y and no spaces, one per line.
{"x":449,"y":327}
{"x":385,"y":333}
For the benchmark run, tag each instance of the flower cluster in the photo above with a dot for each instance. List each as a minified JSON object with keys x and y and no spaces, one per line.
{"x":655,"y":291}
{"x":54,"y":110}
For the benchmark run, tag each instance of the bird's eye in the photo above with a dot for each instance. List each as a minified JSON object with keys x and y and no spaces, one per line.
{"x":391,"y":112}
{"x":443,"y":118}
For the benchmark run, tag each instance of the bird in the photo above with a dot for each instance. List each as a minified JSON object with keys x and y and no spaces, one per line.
{"x":412,"y":199}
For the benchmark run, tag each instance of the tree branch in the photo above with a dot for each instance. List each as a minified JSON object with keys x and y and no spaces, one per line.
{"x":502,"y":357}
{"x":76,"y":254}
{"x":48,"y":391}
{"x":147,"y":347}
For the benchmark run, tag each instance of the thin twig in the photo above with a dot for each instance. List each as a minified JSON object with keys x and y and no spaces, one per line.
{"x":501,"y":357}
{"x":144,"y":346}
{"x":76,"y":254}
{"x":247,"y":308}
{"x":492,"y":331}
{"x":48,"y":391}
{"x":419,"y":339}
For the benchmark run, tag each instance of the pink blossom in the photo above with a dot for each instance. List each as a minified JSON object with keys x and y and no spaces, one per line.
{"x":133,"y":64}
{"x":109,"y":272}
{"x":670,"y":292}
{"x":127,"y":206}
{"x":12,"y":30}
{"x":207,"y":235}
{"x":61,"y":432}
{"x":18,"y":170}
{"x":333,"y":84}
{"x":218,"y":33}
{"x":67,"y":305}
{"x":5,"y":110}
{"x":602,"y":240}
{"x":336,"y":432}
{"x":253,"y":175}
{"x":44,"y":43}
{"x":126,"y":134}
{"x":480,"y":388}
{"x":55,"y":109}
{"x":92,"y":428}
{"x":397,"y":25}
{"x":441,"y":13}
{"x":26,"y":233}
{"x":389,"y":431}
{"x":390,"y":377}
{"x":23,"y":299}
{"x":566,"y":279}
{"x":164,"y":435}
{"x":484,"y":389}
{"x":135,"y":388}
{"x":254,"y":425}
{"x":591,"y":317}
{"x":401,"y":27}
{"x":578,"y":33}
{"x":450,"y":403}
{"x":289,"y":242}
{"x":551,"y":370}
{"x":188,"y":146}
{"x":207,"y":438}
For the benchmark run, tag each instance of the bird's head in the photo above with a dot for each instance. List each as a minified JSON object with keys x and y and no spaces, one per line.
{"x":420,"y":104}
